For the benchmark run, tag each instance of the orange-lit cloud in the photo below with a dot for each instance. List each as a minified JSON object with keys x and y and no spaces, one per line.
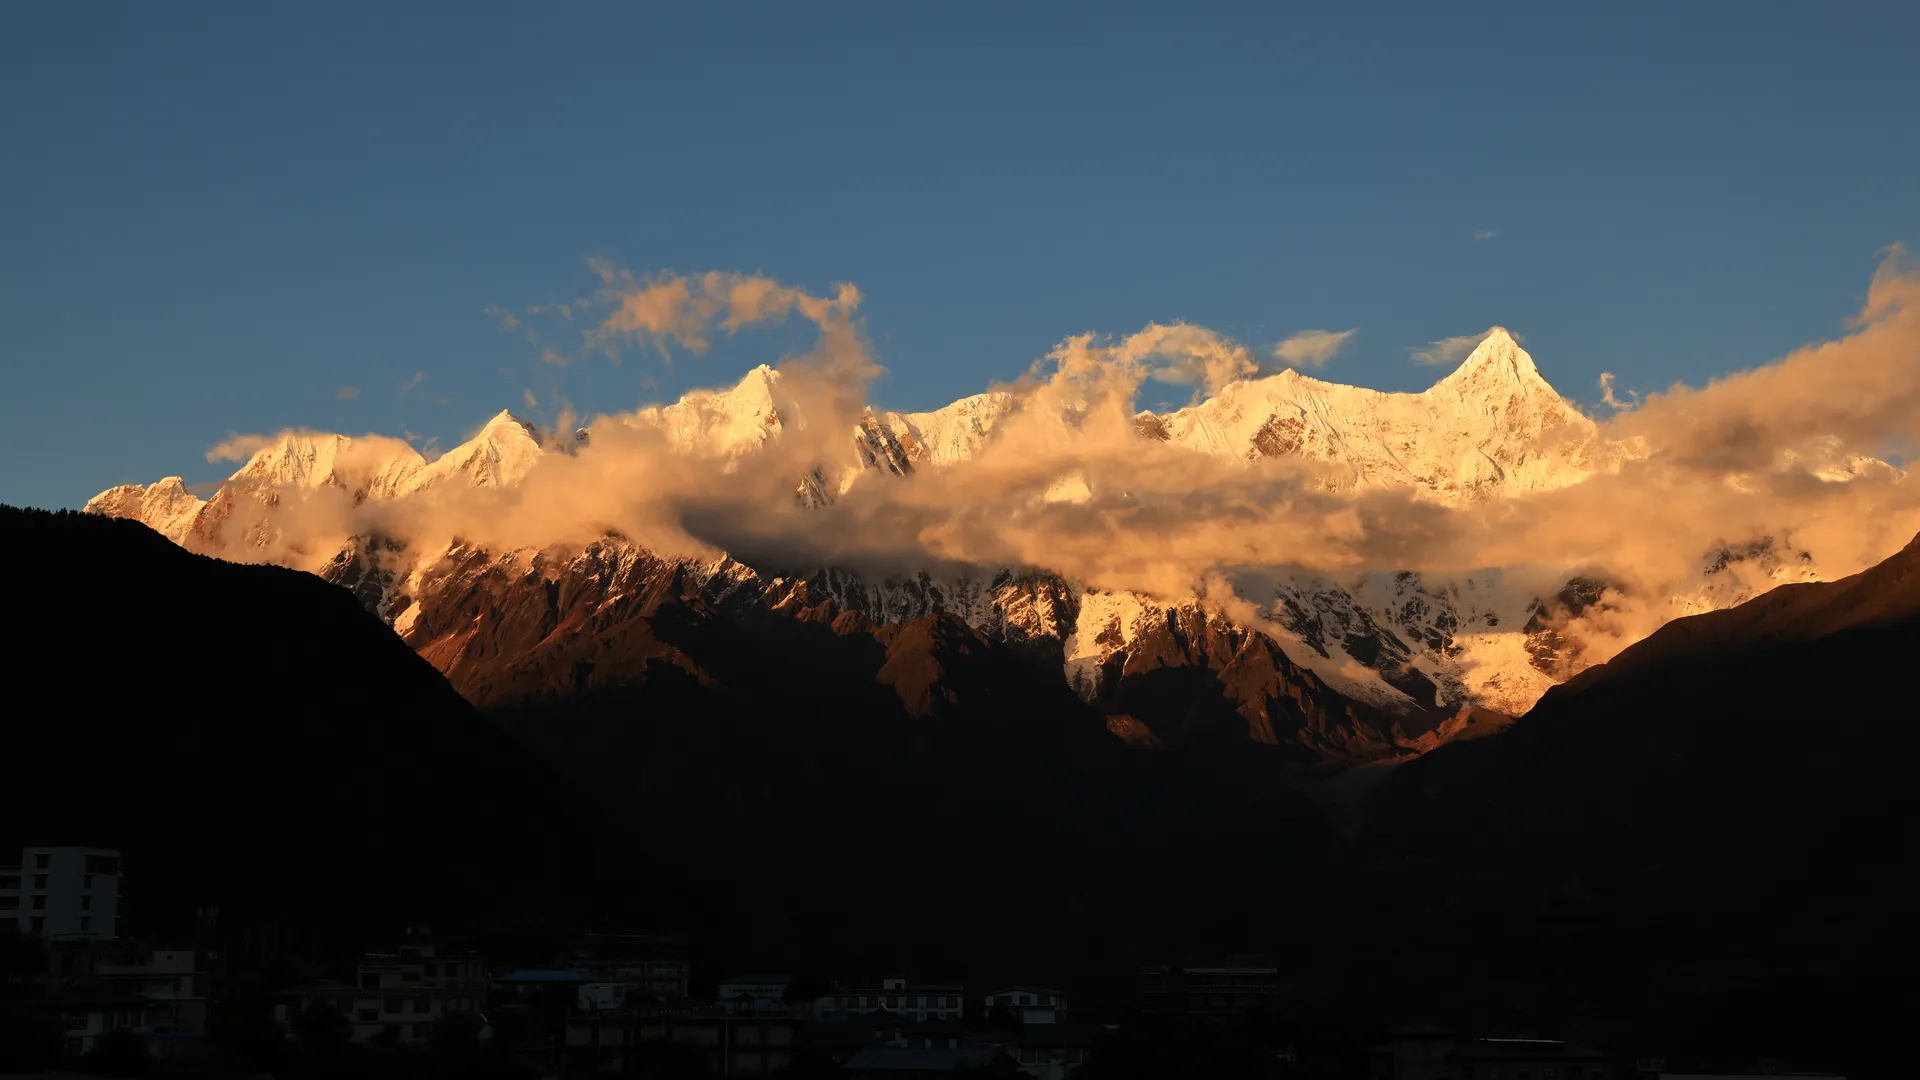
{"x":1450,"y":351}
{"x":1312,"y":348}
{"x":238,"y":447}
{"x":1785,"y":450}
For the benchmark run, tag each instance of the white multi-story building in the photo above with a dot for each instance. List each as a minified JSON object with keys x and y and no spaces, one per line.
{"x":1028,"y":1004}
{"x":893,"y":995}
{"x":752,"y":993}
{"x":86,"y":1014}
{"x":407,"y":990}
{"x":603,"y":997}
{"x":63,"y":893}
{"x":167,"y":976}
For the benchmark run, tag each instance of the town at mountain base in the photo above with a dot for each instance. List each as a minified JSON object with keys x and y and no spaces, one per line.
{"x":1706,"y":842}
{"x":253,"y":739}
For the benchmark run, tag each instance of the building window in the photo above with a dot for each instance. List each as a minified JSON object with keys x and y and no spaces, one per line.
{"x":369,"y":981}
{"x":430,"y":971}
{"x":39,"y":903}
{"x":11,"y":881}
{"x":86,"y":903}
{"x":39,"y":881}
{"x":9,"y":903}
{"x":39,"y":923}
{"x":86,"y":881}
{"x":422,"y":1005}
{"x":421,"y":1031}
{"x":393,"y":1005}
{"x":40,"y":862}
{"x":369,"y":1016}
{"x":86,"y":922}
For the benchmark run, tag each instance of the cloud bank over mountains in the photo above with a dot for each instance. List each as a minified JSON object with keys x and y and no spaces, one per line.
{"x":1259,"y":477}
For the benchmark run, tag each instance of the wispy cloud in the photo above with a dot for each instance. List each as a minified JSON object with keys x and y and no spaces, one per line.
{"x":1447,"y":351}
{"x":1486,"y":234}
{"x":1312,"y":348}
{"x":667,"y":309}
{"x":414,"y":385}
{"x":347,"y":393}
{"x":427,"y":445}
{"x":238,"y":447}
{"x":1612,"y":402}
{"x":507,"y":319}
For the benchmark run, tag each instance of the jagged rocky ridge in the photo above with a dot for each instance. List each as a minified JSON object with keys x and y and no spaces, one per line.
{"x":1386,"y":658}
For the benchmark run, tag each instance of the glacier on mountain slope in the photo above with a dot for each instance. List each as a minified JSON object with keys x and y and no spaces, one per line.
{"x":1492,"y":428}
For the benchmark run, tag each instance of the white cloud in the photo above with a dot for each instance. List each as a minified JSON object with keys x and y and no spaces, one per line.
{"x":1312,"y":348}
{"x":1607,"y":396}
{"x":1447,"y":351}
{"x":1486,"y":234}
{"x":239,"y":447}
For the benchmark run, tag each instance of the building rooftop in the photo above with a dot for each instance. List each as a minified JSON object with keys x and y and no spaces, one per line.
{"x":544,"y":975}
{"x":1516,"y":1049}
{"x":910,"y":988}
{"x":1061,"y":1034}
{"x":1470,"y":1049}
{"x":91,"y":994}
{"x":899,"y":1059}
{"x":318,"y":986}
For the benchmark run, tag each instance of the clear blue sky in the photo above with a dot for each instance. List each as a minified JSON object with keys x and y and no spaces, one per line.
{"x":213,"y":217}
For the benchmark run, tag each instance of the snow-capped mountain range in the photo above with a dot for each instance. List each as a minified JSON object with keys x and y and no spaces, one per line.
{"x":1490,"y":430}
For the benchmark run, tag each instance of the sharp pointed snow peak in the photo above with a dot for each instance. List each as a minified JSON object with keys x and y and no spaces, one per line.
{"x":505,"y":421}
{"x":1496,"y":360}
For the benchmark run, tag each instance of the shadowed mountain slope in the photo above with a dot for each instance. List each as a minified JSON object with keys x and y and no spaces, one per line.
{"x":251,"y":736}
{"x":1727,"y":811}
